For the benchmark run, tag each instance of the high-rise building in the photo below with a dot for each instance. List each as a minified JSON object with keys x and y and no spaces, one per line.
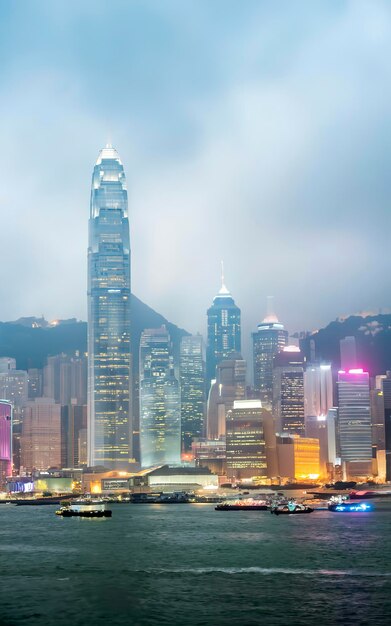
{"x":192,"y":379}
{"x":109,"y":347}
{"x":246,"y":449}
{"x":160,"y":400}
{"x":229,"y":385}
{"x":354,"y":422}
{"x":14,"y":387}
{"x":348,"y":351}
{"x":5,"y":442}
{"x":224,"y":332}
{"x":35,"y":383}
{"x":41,"y":435}
{"x":73,"y":427}
{"x":288,"y":391}
{"x":298,"y":457}
{"x":269,"y":339}
{"x":381,"y":420}
{"x":65,"y":378}
{"x":318,"y":389}
{"x":7,"y":363}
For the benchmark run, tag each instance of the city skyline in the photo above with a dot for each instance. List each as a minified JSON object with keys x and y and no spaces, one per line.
{"x":305,"y":170}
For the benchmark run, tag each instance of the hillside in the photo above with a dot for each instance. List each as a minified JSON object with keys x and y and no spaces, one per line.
{"x":373,"y":338}
{"x":30,"y":346}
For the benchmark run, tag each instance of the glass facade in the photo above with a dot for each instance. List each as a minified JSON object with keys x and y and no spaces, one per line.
{"x":354,"y":416}
{"x":192,"y":380}
{"x":268,"y":340}
{"x":246,"y":453}
{"x":224,"y":331}
{"x":109,"y":348}
{"x":160,"y":401}
{"x":5,"y":442}
{"x":288,"y":392}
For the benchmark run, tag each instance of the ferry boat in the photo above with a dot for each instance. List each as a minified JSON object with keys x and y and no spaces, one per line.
{"x":248,"y":504}
{"x":290,"y":508}
{"x":85,"y":508}
{"x":338,"y":504}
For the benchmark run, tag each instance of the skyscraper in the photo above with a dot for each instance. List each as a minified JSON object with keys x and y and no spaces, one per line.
{"x":269,"y":339}
{"x":160,"y":400}
{"x":229,"y":385}
{"x":354,"y":422}
{"x":224,"y":333}
{"x":5,"y":442}
{"x":246,"y":449}
{"x":318,"y":389}
{"x":41,"y":435}
{"x":192,"y":378}
{"x":109,"y":348}
{"x":288,"y":391}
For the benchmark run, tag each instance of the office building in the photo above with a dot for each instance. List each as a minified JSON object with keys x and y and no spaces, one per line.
{"x":230,"y":385}
{"x":298,"y":458}
{"x":318,"y":389}
{"x":224,"y":332}
{"x":7,"y":363}
{"x":160,"y":401}
{"x":288,"y":391}
{"x":73,"y":429}
{"x":348,"y":351}
{"x":192,"y":379}
{"x":210,"y":453}
{"x":35,"y":383}
{"x":245,"y":439}
{"x":354,"y":423}
{"x":5,"y":442}
{"x":14,"y":387}
{"x":109,"y":348}
{"x":381,"y":422}
{"x":65,"y":378}
{"x":41,"y":435}
{"x":269,"y":339}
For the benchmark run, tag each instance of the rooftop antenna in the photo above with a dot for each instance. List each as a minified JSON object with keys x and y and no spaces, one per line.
{"x":269,"y":306}
{"x":222,"y":274}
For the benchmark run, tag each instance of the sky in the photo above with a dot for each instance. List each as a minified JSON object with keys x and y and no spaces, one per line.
{"x":254,"y":132}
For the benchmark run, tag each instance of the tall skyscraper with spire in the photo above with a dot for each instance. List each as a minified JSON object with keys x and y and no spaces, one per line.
{"x":224,"y":331}
{"x":109,"y":347}
{"x":269,"y":339}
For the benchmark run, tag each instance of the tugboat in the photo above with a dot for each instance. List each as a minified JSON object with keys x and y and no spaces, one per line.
{"x":339,"y":504}
{"x":84,"y":508}
{"x":290,"y":508}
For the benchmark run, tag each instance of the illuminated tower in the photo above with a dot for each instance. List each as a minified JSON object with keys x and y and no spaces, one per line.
{"x":109,"y":348}
{"x":5,"y":442}
{"x":354,"y":422}
{"x":269,"y":339}
{"x":192,"y":379}
{"x":160,"y":401}
{"x":224,"y":335}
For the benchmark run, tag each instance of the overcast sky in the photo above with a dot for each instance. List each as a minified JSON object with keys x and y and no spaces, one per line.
{"x":254,"y":132}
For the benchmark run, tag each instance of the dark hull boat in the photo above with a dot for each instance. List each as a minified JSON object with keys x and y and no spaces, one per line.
{"x":285,"y":509}
{"x":70,"y":513}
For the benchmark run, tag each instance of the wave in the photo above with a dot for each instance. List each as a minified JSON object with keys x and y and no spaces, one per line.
{"x":266,"y":571}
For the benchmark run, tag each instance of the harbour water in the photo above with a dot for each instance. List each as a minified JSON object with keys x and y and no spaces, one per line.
{"x":189,"y":565}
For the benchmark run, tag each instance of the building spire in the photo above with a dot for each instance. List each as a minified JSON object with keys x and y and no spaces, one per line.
{"x":223,"y":290}
{"x":271,"y":317}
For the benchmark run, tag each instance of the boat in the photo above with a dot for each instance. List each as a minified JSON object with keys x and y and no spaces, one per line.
{"x":342,"y":505}
{"x":248,"y":504}
{"x":84,"y":508}
{"x":290,"y":508}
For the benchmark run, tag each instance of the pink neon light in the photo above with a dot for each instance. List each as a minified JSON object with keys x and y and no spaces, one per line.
{"x":357,"y":371}
{"x":341,"y":372}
